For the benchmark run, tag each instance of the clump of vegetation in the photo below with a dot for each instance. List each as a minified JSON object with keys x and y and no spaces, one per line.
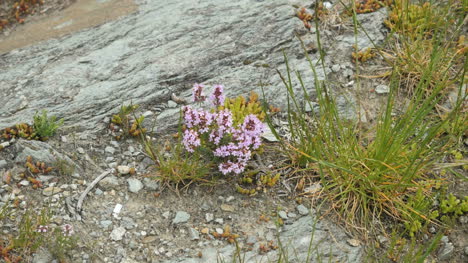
{"x":401,"y":249}
{"x":430,"y":39}
{"x":254,"y":181}
{"x":45,"y":127}
{"x":176,"y":167}
{"x":241,"y":108}
{"x":227,"y":234}
{"x":126,"y":123}
{"x":369,"y":6}
{"x":64,"y":167}
{"x":37,"y":167}
{"x":415,"y":19}
{"x":320,"y":12}
{"x":367,"y":177}
{"x":363,"y":55}
{"x":22,"y":130}
{"x":422,"y":212}
{"x":452,"y":207}
{"x":42,"y":128}
{"x":19,"y":9}
{"x":35,"y":232}
{"x":215,"y":133}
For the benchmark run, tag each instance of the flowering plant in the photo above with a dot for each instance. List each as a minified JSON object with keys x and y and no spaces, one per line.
{"x":232,"y":144}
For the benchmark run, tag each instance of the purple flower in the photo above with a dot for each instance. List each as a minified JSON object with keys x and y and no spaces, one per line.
{"x":217,"y":97}
{"x":198,"y":93}
{"x":205,"y":119}
{"x":216,"y":136}
{"x":232,"y":167}
{"x":191,"y":140}
{"x":67,"y":230}
{"x":191,"y":117}
{"x":224,"y":120}
{"x":42,"y":229}
{"x":252,"y":126}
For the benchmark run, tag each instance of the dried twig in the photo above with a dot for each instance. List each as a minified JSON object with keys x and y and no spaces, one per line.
{"x":86,"y":191}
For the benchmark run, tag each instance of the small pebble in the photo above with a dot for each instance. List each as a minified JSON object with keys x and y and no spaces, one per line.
{"x":209,"y":217}
{"x":302,"y":210}
{"x":181,"y":217}
{"x":353,"y":242}
{"x":282,"y":215}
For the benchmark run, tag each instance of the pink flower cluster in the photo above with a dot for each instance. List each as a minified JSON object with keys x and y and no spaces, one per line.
{"x":67,"y":229}
{"x":234,"y":145}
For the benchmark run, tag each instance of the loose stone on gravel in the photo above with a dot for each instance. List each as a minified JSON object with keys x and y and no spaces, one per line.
{"x":382,"y":89}
{"x":181,"y":217}
{"x":353,"y":242}
{"x":105,"y":223}
{"x":134,"y":185}
{"x":117,"y":209}
{"x":282,"y":215}
{"x":446,"y":250}
{"x":209,"y":217}
{"x":302,"y":210}
{"x":227,"y":208}
{"x":194,"y":235}
{"x":49,"y":191}
{"x":123,"y":169}
{"x":151,"y":184}
{"x":118,"y":233}
{"x":149,"y":239}
{"x":110,"y":150}
{"x":3,"y":164}
{"x":292,"y":215}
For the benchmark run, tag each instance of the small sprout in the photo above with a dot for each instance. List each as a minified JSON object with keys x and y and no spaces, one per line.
{"x":230,"y":237}
{"x":269,"y":180}
{"x":369,"y":6}
{"x":45,"y":127}
{"x":265,"y":248}
{"x":245,"y":191}
{"x":363,"y":55}
{"x":38,"y":167}
{"x":453,"y":205}
{"x":263,"y":218}
{"x":125,"y":121}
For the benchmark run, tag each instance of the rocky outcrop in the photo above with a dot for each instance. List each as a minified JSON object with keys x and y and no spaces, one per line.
{"x":162,"y":49}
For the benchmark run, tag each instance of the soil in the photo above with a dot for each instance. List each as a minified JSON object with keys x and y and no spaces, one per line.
{"x":56,"y":18}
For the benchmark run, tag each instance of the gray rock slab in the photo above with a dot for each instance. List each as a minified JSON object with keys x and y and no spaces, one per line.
{"x":39,"y":151}
{"x":162,"y":49}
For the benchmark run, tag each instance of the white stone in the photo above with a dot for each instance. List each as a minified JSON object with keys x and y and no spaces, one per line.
{"x":382,"y":89}
{"x":118,"y":233}
{"x":117,"y":209}
{"x":123,"y":169}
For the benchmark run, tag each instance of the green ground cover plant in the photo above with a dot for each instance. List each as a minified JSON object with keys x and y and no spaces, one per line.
{"x":44,"y":126}
{"x":35,"y":231}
